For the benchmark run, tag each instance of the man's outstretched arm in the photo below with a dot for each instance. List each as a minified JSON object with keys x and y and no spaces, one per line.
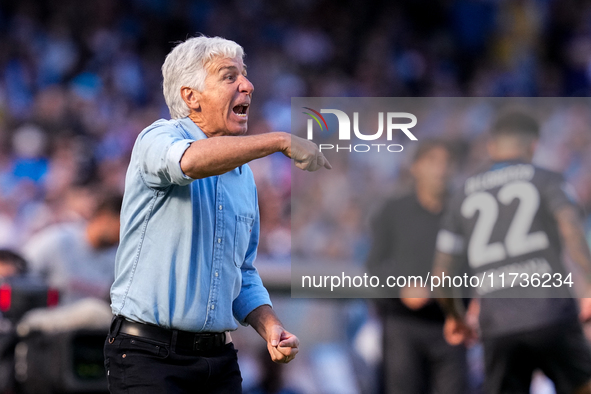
{"x":218,"y":155}
{"x":282,"y":345}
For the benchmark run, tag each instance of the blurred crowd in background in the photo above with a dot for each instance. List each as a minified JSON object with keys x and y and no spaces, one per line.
{"x":80,"y":80}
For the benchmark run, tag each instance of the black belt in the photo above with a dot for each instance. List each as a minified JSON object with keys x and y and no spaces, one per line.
{"x":186,"y":340}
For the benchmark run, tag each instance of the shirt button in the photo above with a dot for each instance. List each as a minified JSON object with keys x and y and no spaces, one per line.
{"x":220,"y":207}
{"x":216,"y":273}
{"x":219,"y":240}
{"x":212,"y":306}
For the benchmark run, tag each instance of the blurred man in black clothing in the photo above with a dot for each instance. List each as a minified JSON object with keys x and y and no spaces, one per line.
{"x":416,"y":357}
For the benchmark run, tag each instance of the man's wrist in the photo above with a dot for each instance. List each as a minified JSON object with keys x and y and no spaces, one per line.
{"x":282,"y":141}
{"x":262,"y":319}
{"x":456,"y":317}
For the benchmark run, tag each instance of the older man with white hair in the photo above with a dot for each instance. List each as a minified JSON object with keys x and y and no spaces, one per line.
{"x":189,"y":233}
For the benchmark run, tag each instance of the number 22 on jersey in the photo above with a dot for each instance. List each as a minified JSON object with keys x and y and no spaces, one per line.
{"x":518,"y":240}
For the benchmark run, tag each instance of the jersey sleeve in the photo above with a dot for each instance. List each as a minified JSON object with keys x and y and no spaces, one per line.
{"x":160,"y":150}
{"x":557,"y":193}
{"x":450,"y":238}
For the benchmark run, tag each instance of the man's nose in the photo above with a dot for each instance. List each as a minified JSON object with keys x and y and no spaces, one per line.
{"x":245,"y":85}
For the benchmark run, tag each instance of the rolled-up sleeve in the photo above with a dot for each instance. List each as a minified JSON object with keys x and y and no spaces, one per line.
{"x":160,"y":151}
{"x":252,"y":294}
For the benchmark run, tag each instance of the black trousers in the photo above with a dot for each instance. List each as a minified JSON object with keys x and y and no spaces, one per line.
{"x":137,"y":365}
{"x":560,"y":351}
{"x":417,"y":360}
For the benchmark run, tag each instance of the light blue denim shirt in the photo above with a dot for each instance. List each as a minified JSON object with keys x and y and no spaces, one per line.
{"x":187,"y":247}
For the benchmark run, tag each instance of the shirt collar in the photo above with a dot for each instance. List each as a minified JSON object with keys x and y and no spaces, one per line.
{"x":190,"y":127}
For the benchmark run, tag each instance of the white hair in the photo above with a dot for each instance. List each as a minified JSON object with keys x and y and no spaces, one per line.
{"x":186,"y":65}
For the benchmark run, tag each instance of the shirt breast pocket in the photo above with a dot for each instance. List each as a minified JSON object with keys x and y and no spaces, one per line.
{"x":242,"y":238}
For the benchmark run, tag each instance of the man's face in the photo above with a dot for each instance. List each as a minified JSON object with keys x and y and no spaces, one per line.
{"x":225,"y":100}
{"x":432,"y":170}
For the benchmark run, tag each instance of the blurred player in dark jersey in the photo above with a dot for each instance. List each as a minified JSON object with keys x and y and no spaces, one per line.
{"x":515,"y":218}
{"x":416,"y":357}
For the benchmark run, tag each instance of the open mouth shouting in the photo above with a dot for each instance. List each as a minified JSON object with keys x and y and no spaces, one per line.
{"x":241,"y":110}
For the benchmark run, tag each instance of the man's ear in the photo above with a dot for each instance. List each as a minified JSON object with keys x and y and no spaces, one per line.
{"x":190,"y":97}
